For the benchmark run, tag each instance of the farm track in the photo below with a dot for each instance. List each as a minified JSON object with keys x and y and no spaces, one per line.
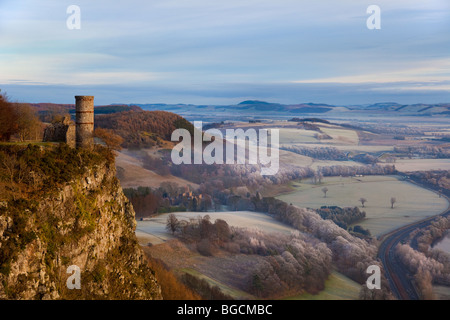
{"x":400,"y":279}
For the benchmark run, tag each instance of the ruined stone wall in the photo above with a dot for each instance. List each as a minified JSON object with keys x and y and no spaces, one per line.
{"x":61,"y":132}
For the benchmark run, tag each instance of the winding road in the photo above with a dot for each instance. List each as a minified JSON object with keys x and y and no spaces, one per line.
{"x":400,"y":279}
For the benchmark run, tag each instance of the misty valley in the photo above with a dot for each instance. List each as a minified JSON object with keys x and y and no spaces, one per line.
{"x":311,"y":207}
{"x":328,"y":165}
{"x":229,"y":157}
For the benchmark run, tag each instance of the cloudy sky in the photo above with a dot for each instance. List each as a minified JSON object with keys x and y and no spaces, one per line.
{"x":226,"y":51}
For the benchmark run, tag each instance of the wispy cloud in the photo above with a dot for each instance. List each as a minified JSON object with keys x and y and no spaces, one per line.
{"x":192,"y":48}
{"x":430,"y":71}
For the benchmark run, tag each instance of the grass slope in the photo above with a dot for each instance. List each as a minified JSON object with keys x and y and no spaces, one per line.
{"x":337,"y":287}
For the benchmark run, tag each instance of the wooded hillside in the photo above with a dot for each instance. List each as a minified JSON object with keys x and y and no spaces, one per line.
{"x":143,"y":129}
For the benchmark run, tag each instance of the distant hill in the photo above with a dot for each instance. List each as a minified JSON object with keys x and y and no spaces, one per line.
{"x":248,"y":106}
{"x":405,"y":109}
{"x":257,"y":108}
{"x":47,"y":110}
{"x":251,"y":108}
{"x":253,"y":102}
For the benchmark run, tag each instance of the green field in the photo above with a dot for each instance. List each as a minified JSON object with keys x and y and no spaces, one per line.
{"x":337,"y":287}
{"x":233,"y":292}
{"x":413,"y":202}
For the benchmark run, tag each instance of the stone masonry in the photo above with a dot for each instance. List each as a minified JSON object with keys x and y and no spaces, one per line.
{"x":80,"y":134}
{"x":63,"y":131}
{"x":84,"y":121}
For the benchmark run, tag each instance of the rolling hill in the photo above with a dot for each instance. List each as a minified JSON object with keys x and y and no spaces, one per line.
{"x":260,"y":108}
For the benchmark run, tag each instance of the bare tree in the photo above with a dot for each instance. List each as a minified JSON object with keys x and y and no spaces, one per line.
{"x":222,"y":229}
{"x":10,"y":162}
{"x":12,"y":166}
{"x":319,"y":176}
{"x":112,"y":140}
{"x":29,"y":126}
{"x":169,"y":187}
{"x":172,"y":223}
{"x":324,"y":190}
{"x":8,"y":118}
{"x":393,"y":200}
{"x":362,"y":200}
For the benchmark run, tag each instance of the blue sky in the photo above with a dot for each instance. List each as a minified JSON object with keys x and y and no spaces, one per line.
{"x":220,"y":52}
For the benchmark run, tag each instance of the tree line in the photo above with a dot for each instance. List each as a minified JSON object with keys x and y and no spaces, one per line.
{"x":168,"y":197}
{"x":434,"y":152}
{"x":18,"y":121}
{"x":282,"y":264}
{"x":143,"y":129}
{"x":428,"y":265}
{"x":343,"y":217}
{"x":438,"y":180}
{"x":320,"y":153}
{"x":350,"y":254}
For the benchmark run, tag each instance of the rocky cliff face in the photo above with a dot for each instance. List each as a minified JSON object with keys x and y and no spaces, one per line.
{"x":88,"y":223}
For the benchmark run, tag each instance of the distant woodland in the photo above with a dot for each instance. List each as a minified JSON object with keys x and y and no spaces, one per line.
{"x":48,"y":111}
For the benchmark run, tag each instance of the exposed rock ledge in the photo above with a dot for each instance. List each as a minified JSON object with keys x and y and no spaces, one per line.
{"x":88,"y":223}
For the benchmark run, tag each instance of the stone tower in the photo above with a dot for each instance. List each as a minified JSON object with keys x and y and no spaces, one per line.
{"x":84,"y":109}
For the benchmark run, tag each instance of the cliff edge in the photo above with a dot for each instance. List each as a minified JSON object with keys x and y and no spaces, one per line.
{"x":62,"y":207}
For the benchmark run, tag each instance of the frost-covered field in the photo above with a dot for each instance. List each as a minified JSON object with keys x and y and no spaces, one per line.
{"x":339,"y":136}
{"x":154,"y":229}
{"x":221,"y":270}
{"x":412,"y":202}
{"x":342,"y":136}
{"x":294,"y":136}
{"x":291,"y":159}
{"x":422,"y":164}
